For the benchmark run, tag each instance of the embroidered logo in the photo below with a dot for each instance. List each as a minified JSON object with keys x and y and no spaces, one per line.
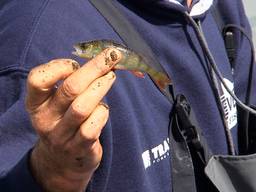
{"x":229,"y":105}
{"x":156,"y":154}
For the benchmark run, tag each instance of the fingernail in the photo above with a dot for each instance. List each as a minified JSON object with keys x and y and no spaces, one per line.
{"x":112,"y":56}
{"x":110,"y":75}
{"x":104,"y":105}
{"x":75,"y":65}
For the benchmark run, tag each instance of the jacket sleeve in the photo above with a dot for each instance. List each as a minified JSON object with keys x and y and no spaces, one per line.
{"x":17,"y":136}
{"x":30,"y":36}
{"x":20,"y":178}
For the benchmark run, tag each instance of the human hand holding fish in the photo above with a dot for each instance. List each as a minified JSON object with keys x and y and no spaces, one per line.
{"x":69,"y":119}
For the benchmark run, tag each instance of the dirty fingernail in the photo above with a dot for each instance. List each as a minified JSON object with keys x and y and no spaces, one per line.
{"x":112,"y":56}
{"x":75,"y":65}
{"x":104,"y":105}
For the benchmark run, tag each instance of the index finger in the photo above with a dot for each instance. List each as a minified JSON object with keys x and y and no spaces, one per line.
{"x":43,"y":78}
{"x":95,"y":68}
{"x":80,"y":80}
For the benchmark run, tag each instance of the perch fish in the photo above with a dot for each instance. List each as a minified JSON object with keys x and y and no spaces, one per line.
{"x":131,"y":60}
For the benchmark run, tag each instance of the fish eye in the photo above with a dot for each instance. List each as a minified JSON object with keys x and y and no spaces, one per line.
{"x":83,"y":45}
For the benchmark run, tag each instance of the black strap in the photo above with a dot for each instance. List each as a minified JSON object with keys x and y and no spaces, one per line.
{"x":183,"y":178}
{"x":182,"y":132}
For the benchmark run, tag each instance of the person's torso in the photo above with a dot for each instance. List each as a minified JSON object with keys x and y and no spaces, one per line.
{"x":135,"y":140}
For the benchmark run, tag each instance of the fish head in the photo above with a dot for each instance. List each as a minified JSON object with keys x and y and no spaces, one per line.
{"x":86,"y":50}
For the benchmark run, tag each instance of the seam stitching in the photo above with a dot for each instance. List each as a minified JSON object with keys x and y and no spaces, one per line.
{"x":32,"y":32}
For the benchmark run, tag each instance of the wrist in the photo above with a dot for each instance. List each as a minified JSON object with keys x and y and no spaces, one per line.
{"x":55,"y":177}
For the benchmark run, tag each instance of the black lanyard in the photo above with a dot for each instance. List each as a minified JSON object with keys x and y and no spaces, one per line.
{"x":218,"y":93}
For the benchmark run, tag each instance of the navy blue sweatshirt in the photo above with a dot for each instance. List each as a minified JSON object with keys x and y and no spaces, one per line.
{"x":135,"y":140}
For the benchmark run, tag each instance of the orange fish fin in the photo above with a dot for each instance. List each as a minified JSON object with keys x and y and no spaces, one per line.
{"x":162,"y":82}
{"x":138,"y":74}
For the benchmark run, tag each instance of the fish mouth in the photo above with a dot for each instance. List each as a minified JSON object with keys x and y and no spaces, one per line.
{"x":78,"y":51}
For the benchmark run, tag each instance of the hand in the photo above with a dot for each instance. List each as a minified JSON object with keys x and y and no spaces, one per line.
{"x":69,"y":119}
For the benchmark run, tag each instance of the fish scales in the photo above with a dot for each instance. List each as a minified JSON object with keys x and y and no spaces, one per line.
{"x":130,"y":60}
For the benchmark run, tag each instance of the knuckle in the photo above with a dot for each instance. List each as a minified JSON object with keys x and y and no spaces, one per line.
{"x":41,"y":130}
{"x":78,"y":112}
{"x":42,"y":126}
{"x":89,"y":137}
{"x":38,"y":123}
{"x":95,"y":150}
{"x":69,"y":89}
{"x":44,"y":134}
{"x":52,"y":141}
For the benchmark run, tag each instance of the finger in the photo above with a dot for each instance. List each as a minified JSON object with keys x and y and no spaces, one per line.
{"x":42,"y":79}
{"x":83,"y":106}
{"x":90,"y":130}
{"x":76,"y":83}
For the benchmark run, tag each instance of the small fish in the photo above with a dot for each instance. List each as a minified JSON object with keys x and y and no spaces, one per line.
{"x":131,"y":60}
